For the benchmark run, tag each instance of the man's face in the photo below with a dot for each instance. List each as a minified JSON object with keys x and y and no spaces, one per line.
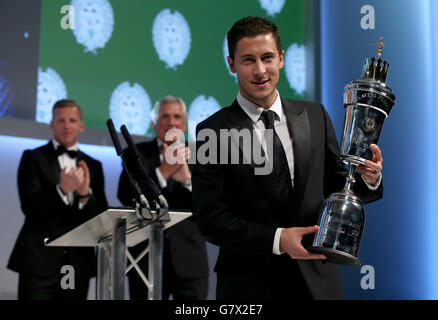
{"x":170,"y":116}
{"x":257,"y":64}
{"x":66,"y":125}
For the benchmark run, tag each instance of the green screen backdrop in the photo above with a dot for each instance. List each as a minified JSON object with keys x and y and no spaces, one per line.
{"x":120,"y":34}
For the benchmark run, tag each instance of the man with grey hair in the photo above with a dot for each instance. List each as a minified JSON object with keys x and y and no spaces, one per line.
{"x":166,"y":100}
{"x":185,"y":265}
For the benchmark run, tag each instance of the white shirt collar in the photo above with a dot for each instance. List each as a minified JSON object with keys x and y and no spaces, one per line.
{"x":56,"y":144}
{"x":254,"y":111}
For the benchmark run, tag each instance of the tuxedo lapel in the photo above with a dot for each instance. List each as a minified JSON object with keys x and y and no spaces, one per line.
{"x":299,"y":128}
{"x":151,"y":158}
{"x":80,"y":156}
{"x":51,"y":164}
{"x":239,"y":120}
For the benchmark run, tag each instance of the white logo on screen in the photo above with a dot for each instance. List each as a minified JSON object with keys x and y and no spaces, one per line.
{"x":171,"y":37}
{"x":295,"y":67}
{"x":131,"y":106}
{"x":50,"y":89}
{"x":200,"y":109}
{"x":272,"y":7}
{"x":94,"y":22}
{"x":226,"y":53}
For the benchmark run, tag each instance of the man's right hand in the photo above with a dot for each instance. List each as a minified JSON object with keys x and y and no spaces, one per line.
{"x":290,"y":242}
{"x":173,"y":159}
{"x":70,"y":181}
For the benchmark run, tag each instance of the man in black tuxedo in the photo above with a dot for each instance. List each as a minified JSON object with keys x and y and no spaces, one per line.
{"x":185,"y":265}
{"x":58,"y":186}
{"x":263,"y":222}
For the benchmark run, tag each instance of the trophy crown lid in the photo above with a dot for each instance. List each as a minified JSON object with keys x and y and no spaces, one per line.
{"x":373,"y":68}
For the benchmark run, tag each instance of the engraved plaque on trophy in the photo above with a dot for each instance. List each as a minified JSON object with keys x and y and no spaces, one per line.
{"x":367,"y":102}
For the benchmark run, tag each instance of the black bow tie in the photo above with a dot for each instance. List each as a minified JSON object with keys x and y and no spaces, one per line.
{"x":71,"y":153}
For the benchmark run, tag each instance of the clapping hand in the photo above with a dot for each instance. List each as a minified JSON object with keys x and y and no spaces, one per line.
{"x":77,"y":179}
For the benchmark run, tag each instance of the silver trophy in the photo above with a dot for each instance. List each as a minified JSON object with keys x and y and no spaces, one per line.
{"x":367,"y":102}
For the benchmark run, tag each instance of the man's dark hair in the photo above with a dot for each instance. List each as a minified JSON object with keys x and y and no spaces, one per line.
{"x":65,"y":103}
{"x":251,"y":27}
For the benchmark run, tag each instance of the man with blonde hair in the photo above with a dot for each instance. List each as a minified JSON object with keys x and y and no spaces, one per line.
{"x":58,"y":186}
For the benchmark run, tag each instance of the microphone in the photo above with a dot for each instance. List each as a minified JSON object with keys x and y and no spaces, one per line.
{"x":150,"y":184}
{"x":140,"y":196}
{"x":114,"y":137}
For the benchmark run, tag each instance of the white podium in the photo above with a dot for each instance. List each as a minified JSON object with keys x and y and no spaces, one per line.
{"x":112,"y":232}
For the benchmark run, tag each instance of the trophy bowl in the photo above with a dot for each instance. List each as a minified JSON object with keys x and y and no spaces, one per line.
{"x":367,"y":104}
{"x":341,"y":224}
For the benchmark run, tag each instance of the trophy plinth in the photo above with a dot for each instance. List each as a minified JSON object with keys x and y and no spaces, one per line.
{"x":367,"y":102}
{"x":341,"y":223}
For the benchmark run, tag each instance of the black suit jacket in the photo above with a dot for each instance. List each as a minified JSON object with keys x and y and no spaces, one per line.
{"x":47,"y":215}
{"x":186,"y":245}
{"x":239,"y":211}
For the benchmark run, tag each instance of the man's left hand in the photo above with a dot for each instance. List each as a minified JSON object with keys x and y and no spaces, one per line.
{"x":370,"y":170}
{"x":84,"y":187}
{"x":183,"y":173}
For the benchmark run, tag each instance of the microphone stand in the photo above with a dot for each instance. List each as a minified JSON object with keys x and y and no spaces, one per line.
{"x":159,"y":217}
{"x":118,"y":248}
